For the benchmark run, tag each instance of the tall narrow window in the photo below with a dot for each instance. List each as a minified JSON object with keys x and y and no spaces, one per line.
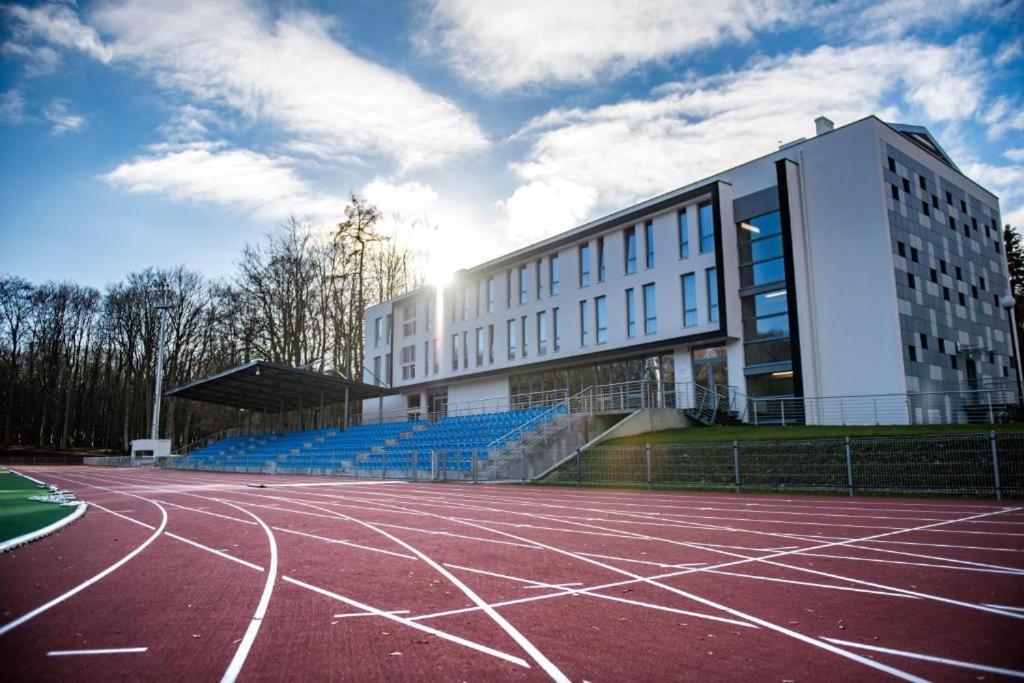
{"x":650,"y":310}
{"x":511,"y":338}
{"x":524,"y":284}
{"x":388,"y":369}
{"x":649,"y":244}
{"x":490,"y":344}
{"x":490,"y":294}
{"x":377,"y":379}
{"x":465,"y":302}
{"x":554,"y":276}
{"x":601,"y":319}
{"x":426,"y":358}
{"x":706,"y":224}
{"x":522,"y":335}
{"x":540,"y":278}
{"x":465,"y":349}
{"x":455,"y":352}
{"x":429,"y":310}
{"x":556,"y":330}
{"x":629,"y":237}
{"x":712,"y":281}
{"x":584,"y":265}
{"x":509,"y":288}
{"x":684,"y":235}
{"x":542,"y":333}
{"x":479,"y":346}
{"x":630,"y":314}
{"x":601,"y":269}
{"x":689,"y":300}
{"x":378,"y":331}
{"x":584,"y":336}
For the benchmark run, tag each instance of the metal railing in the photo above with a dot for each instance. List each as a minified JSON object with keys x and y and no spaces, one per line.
{"x":986,"y":464}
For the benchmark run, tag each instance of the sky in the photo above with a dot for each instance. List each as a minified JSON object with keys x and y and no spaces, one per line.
{"x":158,"y":133}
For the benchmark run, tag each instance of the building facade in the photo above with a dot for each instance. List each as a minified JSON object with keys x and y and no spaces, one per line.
{"x":858,"y":262}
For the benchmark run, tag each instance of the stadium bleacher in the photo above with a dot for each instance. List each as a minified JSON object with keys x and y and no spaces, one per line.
{"x":386,"y":446}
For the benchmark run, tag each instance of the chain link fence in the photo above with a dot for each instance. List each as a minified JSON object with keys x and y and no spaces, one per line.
{"x":989,"y":464}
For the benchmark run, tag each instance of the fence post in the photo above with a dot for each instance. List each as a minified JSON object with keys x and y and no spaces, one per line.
{"x":579,"y":470}
{"x":782,"y":402}
{"x":849,"y":467}
{"x":647,"y":460}
{"x":474,"y":463}
{"x":433,"y":465}
{"x":522,"y":456}
{"x":995,"y":465}
{"x":991,"y":417}
{"x":415,"y":466}
{"x":736,"y":462}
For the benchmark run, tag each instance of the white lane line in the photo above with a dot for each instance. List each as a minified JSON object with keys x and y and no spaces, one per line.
{"x":812,"y":584}
{"x":590,"y":592}
{"x":326,"y":483}
{"x":881,"y":560}
{"x":1009,"y":607}
{"x":368,"y":614}
{"x":339,"y":541}
{"x":1013,"y":673}
{"x":553,"y":671}
{"x":106,"y":651}
{"x":85,"y":584}
{"x":205,"y":512}
{"x":435,"y":532}
{"x":412,"y":624}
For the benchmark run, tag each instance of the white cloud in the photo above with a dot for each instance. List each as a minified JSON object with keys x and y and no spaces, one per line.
{"x":1016,"y":154}
{"x":582,"y":162}
{"x":894,"y":18}
{"x":12,"y":108}
{"x":1001,"y":116}
{"x":237,"y":179}
{"x":1010,"y":51}
{"x":62,"y":119}
{"x":506,"y":45}
{"x":290,"y":72}
{"x":55,"y":24}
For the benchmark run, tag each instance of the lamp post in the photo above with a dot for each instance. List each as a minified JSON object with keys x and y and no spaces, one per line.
{"x":162,"y":304}
{"x":1007,"y":302}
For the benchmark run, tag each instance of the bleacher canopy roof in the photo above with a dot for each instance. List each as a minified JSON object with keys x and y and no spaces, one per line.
{"x":259,"y":385}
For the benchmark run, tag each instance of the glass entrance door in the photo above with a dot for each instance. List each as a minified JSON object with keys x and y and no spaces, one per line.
{"x":710,"y":367}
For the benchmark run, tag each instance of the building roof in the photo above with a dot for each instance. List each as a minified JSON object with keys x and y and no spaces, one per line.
{"x":259,"y":385}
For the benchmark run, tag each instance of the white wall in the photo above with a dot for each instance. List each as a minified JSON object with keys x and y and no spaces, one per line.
{"x":487,"y":394}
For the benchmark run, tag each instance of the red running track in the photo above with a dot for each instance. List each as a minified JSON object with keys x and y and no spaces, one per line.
{"x":182,"y":574}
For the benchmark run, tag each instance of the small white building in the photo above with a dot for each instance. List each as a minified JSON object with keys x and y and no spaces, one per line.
{"x":858,"y":263}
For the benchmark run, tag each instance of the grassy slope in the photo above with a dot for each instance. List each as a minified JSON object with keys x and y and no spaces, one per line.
{"x":767,"y":433}
{"x":18,"y":515}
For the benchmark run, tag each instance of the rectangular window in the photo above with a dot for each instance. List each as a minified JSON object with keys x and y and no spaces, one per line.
{"x":630,"y":314}
{"x":429,"y":310}
{"x":523,"y":284}
{"x":649,"y":244}
{"x":584,"y":258}
{"x":913,"y":254}
{"x":466,"y":298}
{"x":706,"y":226}
{"x":508,"y":289}
{"x":409,"y":320}
{"x":602,"y":270}
{"x":378,"y":331}
{"x":629,"y":237}
{"x":910,"y":281}
{"x":522,"y":335}
{"x":924,"y":340}
{"x":490,"y":294}
{"x":601,"y":319}
{"x":712,"y":282}
{"x":455,"y":352}
{"x":921,"y":182}
{"x":895,"y":192}
{"x":554,"y":277}
{"x":490,"y":344}
{"x":465,"y":349}
{"x":650,"y":310}
{"x":684,"y":235}
{"x":481,"y":295}
{"x":689,"y":300}
{"x":376,"y":371}
{"x":479,"y":346}
{"x":584,"y":336}
{"x":426,"y":358}
{"x":556,"y":330}
{"x":388,"y":369}
{"x":912,"y":352}
{"x":540,"y":278}
{"x":408,"y":356}
{"x":892,"y":164}
{"x":511,"y":338}
{"x":542,"y":333}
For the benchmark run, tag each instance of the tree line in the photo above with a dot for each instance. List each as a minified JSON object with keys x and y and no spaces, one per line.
{"x":77,"y":364}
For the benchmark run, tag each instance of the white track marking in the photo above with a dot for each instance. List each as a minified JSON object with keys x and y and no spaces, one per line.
{"x":880,"y":560}
{"x":85,"y":584}
{"x":1009,"y":607}
{"x":812,"y":584}
{"x":368,"y":614}
{"x":553,"y":671}
{"x":929,"y":658}
{"x":206,"y":512}
{"x":408,"y":622}
{"x":435,"y":532}
{"x":591,"y":593}
{"x":107,"y":651}
{"x":326,"y":483}
{"x":339,"y":541}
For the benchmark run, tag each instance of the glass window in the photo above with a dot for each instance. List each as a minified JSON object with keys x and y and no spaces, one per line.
{"x":490,"y":294}
{"x":376,"y":370}
{"x":649,"y":244}
{"x":426,"y":358}
{"x":772,"y":384}
{"x":763,"y":273}
{"x":760,"y":226}
{"x":761,"y":249}
{"x":630,"y":249}
{"x":630,"y":314}
{"x":556,"y":330}
{"x":455,"y":352}
{"x":601,"y":270}
{"x":511,"y":335}
{"x":689,"y":300}
{"x":378,"y":331}
{"x":429,"y":310}
{"x":712,"y":282}
{"x":509,"y":289}
{"x":389,"y":371}
{"x":522,"y":335}
{"x":465,"y":303}
{"x":770,"y":327}
{"x":584,"y":339}
{"x":479,"y":346}
{"x":601,"y":319}
{"x":584,"y":265}
{"x":465,"y":349}
{"x":554,"y":277}
{"x":706,"y":225}
{"x":684,"y":235}
{"x":768,"y":303}
{"x":542,"y":333}
{"x":650,"y":310}
{"x":523,"y":284}
{"x":490,"y":344}
{"x":772,"y":351}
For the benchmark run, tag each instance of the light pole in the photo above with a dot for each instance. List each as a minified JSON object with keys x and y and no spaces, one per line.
{"x":1007,"y":302}
{"x":162,"y":304}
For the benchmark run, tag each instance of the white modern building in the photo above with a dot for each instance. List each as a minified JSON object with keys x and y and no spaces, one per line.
{"x":858,"y":263}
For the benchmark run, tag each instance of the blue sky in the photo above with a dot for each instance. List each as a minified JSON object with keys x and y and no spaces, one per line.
{"x":157,"y":133}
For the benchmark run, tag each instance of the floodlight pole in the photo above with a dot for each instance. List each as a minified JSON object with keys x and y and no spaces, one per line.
{"x":1007,"y":302}
{"x":161,"y":305}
